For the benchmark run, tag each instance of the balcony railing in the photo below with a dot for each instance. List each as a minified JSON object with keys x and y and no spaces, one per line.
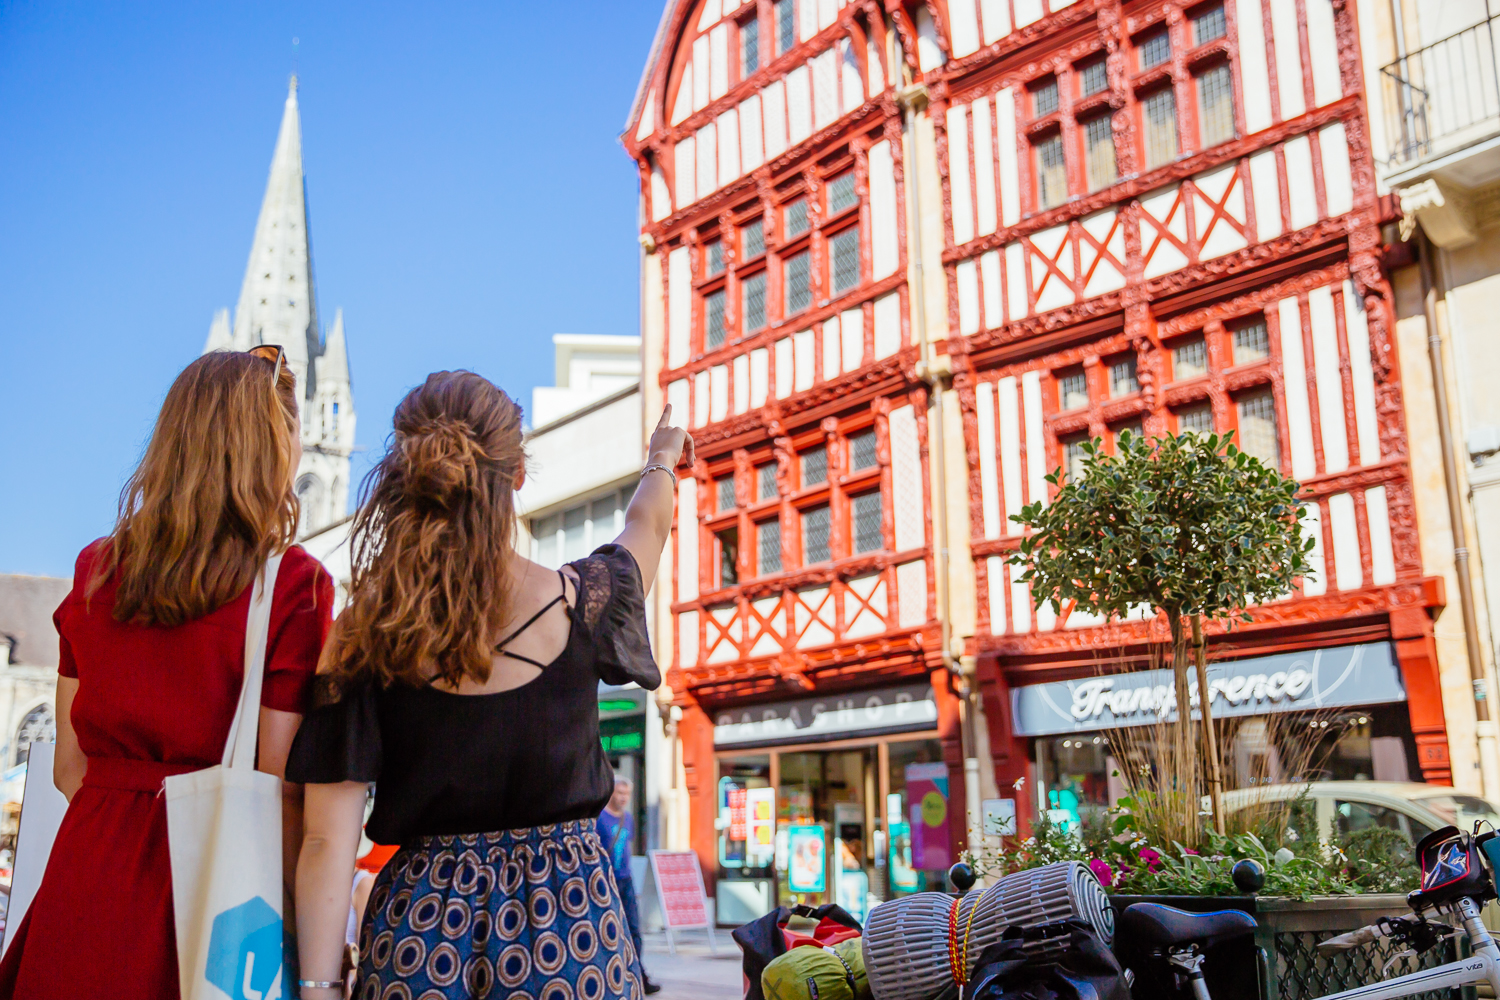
{"x":1444,"y":95}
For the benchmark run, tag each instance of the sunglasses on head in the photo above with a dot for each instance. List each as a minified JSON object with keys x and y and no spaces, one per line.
{"x":272,"y":353}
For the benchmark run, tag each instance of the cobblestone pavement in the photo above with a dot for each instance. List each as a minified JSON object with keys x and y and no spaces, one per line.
{"x":695,"y":973}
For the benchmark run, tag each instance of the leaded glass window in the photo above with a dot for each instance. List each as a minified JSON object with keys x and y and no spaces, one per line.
{"x":844,"y":251}
{"x":1257,"y":418}
{"x":1159,"y":113}
{"x":749,"y":47}
{"x":1051,"y":172}
{"x":753,"y":302}
{"x":865,"y":515}
{"x":862,"y":451}
{"x":1215,"y":106}
{"x":1189,"y":360}
{"x":765,"y":478}
{"x":768,"y":547}
{"x":1099,"y":151}
{"x":713,"y":321}
{"x":1252,"y":342}
{"x":1197,"y":419}
{"x":841,"y":193}
{"x":1122,"y":380}
{"x":815,"y":526}
{"x":1155,"y":49}
{"x":725,"y":490}
{"x":1073,"y":391}
{"x":794,"y":219}
{"x":814,"y":467}
{"x":797,"y":282}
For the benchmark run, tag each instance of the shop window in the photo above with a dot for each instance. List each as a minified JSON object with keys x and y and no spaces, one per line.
{"x":765,"y":478}
{"x":749,"y":47}
{"x":1074,"y":772}
{"x":814,"y":467}
{"x":1073,"y":391}
{"x":713,"y":256}
{"x":1257,"y":418}
{"x":1044,"y":98}
{"x":841,"y":193}
{"x":913,"y":866}
{"x":768,"y":547}
{"x":1209,"y":25}
{"x":1159,"y":116}
{"x":1074,"y":457}
{"x":785,"y":14}
{"x":727,"y":546}
{"x":725,"y":490}
{"x":713,"y":321}
{"x":865,"y":518}
{"x":796,"y":280}
{"x":794,"y":221}
{"x":1051,"y":172}
{"x":844,"y":251}
{"x":1197,"y":419}
{"x":1155,"y":49}
{"x":815,"y":525}
{"x":1099,"y":151}
{"x":1122,"y":380}
{"x":1251,"y":342}
{"x":753,"y":302}
{"x":1093,"y":77}
{"x":1189,"y":360}
{"x":1215,"y":106}
{"x":746,"y":839}
{"x":753,"y":239}
{"x":862,"y":451}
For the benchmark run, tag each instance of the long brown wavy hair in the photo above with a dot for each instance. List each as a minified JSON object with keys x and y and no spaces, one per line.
{"x":213,"y":496}
{"x":433,"y":541}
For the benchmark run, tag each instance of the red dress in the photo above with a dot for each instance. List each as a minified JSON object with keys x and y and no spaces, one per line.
{"x":151,"y":701}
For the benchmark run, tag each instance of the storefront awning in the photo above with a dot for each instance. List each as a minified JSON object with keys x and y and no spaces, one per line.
{"x":1286,"y":682}
{"x":810,"y":720}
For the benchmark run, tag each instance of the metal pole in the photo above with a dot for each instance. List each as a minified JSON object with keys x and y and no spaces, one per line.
{"x":1485,"y":735}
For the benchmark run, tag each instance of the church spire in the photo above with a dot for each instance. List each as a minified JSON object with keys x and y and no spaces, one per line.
{"x":277,"y":300}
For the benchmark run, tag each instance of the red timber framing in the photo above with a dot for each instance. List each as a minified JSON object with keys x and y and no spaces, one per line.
{"x":1242,"y":277}
{"x":771,"y":372}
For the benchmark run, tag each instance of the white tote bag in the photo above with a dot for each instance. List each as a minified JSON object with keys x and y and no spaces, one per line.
{"x":224,"y":832}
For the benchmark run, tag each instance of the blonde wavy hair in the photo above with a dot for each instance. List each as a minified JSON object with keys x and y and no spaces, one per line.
{"x":213,"y":496}
{"x":433,"y":541}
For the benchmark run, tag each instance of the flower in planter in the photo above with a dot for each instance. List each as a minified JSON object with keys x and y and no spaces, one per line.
{"x":1151,"y":857}
{"x":1103,"y":872}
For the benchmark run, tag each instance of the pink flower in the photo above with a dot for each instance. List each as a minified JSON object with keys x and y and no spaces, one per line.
{"x":1102,"y":872}
{"x":1151,"y":858}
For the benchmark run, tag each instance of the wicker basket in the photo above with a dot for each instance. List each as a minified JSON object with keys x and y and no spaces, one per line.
{"x":911,"y":945}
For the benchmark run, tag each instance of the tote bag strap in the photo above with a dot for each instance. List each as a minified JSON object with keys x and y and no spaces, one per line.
{"x":239,"y":749}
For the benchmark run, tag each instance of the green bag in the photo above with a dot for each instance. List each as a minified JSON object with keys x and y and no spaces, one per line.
{"x":809,"y":972}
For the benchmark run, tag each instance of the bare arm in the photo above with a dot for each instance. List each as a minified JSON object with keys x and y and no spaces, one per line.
{"x":277,"y":730}
{"x":325,"y":876}
{"x":648,"y":520}
{"x":70,"y":763}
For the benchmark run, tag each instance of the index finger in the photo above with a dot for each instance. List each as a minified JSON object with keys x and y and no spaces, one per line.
{"x":666,"y":416}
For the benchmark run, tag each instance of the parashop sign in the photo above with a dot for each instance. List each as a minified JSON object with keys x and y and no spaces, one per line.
{"x":1285,"y":682}
{"x":894,"y":709}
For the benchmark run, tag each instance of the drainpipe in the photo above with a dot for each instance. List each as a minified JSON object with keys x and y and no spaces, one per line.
{"x":911,"y":99}
{"x":1485,"y":728}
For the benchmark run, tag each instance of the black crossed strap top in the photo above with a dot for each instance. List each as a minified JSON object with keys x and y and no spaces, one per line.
{"x":447,"y":763}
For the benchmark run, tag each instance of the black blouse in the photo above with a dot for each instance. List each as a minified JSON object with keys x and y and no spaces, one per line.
{"x":448,"y":763}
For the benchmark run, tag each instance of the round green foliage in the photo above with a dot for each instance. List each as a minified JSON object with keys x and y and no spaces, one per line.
{"x":1189,"y":525}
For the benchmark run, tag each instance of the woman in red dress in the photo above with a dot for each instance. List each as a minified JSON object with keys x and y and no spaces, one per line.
{"x":152,"y":659}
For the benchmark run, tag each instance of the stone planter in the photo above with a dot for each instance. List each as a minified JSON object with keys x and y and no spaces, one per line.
{"x":1284,"y":957}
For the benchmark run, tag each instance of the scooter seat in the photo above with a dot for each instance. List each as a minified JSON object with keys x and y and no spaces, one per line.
{"x":1164,"y":926}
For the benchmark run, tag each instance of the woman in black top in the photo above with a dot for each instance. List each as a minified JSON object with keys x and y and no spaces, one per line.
{"x":463,"y":680}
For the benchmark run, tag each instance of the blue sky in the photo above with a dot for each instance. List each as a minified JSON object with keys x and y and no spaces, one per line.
{"x":468,"y":193}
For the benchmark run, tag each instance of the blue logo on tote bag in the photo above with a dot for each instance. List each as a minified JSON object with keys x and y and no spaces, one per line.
{"x":244,"y":952}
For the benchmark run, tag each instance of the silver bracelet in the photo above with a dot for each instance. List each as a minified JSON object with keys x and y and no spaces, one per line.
{"x":658,"y":465}
{"x":317,"y":984}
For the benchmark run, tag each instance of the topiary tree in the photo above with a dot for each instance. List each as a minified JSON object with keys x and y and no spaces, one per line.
{"x":1189,"y":526}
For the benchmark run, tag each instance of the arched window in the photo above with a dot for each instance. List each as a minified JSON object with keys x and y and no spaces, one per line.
{"x":39,"y":726}
{"x":310,"y":496}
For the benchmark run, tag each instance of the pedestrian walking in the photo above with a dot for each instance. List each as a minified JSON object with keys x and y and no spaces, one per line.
{"x":617,"y":834}
{"x":463,"y":680}
{"x":150,"y":671}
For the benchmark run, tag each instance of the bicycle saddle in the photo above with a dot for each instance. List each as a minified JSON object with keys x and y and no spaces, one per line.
{"x":1165,"y":926}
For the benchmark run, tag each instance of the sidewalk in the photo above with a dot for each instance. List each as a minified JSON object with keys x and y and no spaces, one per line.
{"x":695,"y":973}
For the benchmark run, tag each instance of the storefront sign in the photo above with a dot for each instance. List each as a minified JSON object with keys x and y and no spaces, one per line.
{"x":927,"y":802}
{"x":1286,"y":682}
{"x":895,"y":709}
{"x":808,"y":871}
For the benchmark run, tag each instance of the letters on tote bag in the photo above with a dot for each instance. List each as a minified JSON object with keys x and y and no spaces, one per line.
{"x":224,"y":832}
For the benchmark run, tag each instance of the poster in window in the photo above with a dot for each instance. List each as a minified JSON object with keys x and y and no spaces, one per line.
{"x":808,"y":870}
{"x":760,"y":825}
{"x":927,"y":802}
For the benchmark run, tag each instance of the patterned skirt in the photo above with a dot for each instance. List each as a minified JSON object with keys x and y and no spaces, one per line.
{"x":528,"y":914}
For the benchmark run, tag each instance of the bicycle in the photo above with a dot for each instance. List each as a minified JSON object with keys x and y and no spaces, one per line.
{"x":1458,"y":877}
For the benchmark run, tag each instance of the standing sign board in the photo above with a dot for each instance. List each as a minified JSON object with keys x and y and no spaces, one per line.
{"x":684,"y":901}
{"x":42,"y":808}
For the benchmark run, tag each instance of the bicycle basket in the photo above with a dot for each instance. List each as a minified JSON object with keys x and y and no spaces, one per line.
{"x":1451,"y":869}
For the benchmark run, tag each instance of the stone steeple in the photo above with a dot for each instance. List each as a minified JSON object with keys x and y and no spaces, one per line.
{"x":278,"y":305}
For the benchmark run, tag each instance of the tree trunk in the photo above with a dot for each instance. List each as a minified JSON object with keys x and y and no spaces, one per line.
{"x":1183,"y":732}
{"x":1214,"y":777}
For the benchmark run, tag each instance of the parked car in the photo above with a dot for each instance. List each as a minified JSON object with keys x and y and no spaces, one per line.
{"x":1348,"y":806}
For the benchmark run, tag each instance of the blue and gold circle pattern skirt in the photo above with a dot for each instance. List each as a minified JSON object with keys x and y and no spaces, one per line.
{"x":528,"y":914}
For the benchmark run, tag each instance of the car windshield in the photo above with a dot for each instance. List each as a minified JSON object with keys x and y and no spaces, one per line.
{"x":1461,"y":810}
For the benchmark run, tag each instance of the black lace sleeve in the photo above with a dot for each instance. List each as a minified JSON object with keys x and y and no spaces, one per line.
{"x":339,"y":741}
{"x":613,"y":605}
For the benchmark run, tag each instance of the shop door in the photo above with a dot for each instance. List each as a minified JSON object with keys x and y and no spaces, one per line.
{"x":918,"y":820}
{"x":824,"y":826}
